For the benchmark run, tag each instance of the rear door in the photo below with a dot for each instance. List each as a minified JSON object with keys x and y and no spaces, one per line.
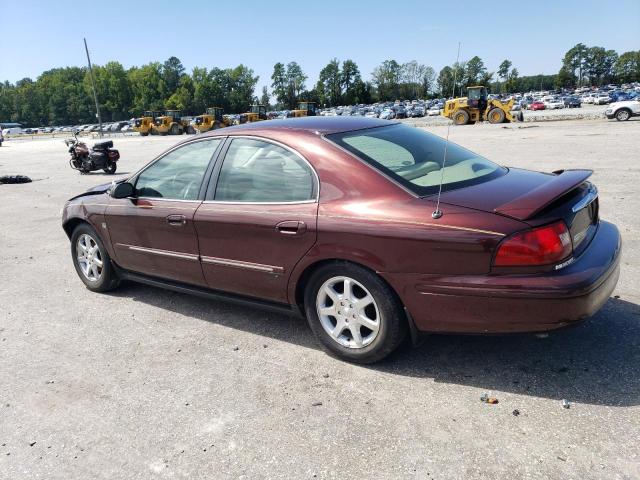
{"x":258,"y":219}
{"x":153,"y":232}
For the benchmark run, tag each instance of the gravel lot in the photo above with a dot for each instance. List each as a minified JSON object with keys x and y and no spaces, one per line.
{"x":144,"y":383}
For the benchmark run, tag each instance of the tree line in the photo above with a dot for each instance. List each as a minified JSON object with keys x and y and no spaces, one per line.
{"x":62,"y":96}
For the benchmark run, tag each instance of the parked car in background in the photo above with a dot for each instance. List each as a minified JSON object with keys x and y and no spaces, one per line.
{"x":623,"y":111}
{"x":601,"y":99}
{"x":572,"y":102}
{"x":587,"y":98}
{"x":553,"y":103}
{"x":1,"y":138}
{"x":537,"y":105}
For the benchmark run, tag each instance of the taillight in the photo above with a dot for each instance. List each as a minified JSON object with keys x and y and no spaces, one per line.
{"x":538,"y":246}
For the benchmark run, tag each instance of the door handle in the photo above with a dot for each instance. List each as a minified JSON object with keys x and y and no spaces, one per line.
{"x":291,"y":227}
{"x":176,"y":220}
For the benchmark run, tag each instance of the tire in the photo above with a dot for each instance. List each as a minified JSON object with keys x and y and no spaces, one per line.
{"x":175,"y":130}
{"x":383,"y":312}
{"x":104,"y":277}
{"x":495,"y":115}
{"x":623,"y":115}
{"x":111,"y":168}
{"x":461,"y":117}
{"x":144,"y":134}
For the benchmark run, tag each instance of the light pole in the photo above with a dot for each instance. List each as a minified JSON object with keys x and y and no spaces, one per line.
{"x":93,"y":86}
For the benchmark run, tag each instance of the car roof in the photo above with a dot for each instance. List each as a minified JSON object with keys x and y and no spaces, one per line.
{"x":315,"y":125}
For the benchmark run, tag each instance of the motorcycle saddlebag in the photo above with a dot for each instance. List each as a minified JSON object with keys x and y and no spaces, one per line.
{"x":103,"y":145}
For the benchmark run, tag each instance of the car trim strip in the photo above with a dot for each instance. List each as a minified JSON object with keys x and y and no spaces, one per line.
{"x":164,"y":253}
{"x":205,"y":259}
{"x":225,"y":262}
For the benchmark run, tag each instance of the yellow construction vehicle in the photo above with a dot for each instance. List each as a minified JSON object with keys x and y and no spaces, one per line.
{"x":211,"y":120}
{"x":305,"y":109}
{"x":255,"y":114}
{"x":477,"y":107}
{"x":171,"y":122}
{"x":144,"y":124}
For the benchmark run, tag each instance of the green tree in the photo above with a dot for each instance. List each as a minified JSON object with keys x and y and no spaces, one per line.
{"x":598,"y":65}
{"x":279,"y":83}
{"x":264,"y":98}
{"x":295,"y":83}
{"x":350,"y":80}
{"x":147,"y":87}
{"x":386,"y":77}
{"x":627,"y":67}
{"x":475,"y":72}
{"x":574,"y":60}
{"x":172,"y":71}
{"x":330,"y":83}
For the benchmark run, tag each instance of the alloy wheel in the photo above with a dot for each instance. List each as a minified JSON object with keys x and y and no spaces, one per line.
{"x":89,"y":257}
{"x":348,"y":312}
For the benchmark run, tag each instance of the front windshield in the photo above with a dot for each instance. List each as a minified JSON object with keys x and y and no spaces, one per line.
{"x":414,"y":158}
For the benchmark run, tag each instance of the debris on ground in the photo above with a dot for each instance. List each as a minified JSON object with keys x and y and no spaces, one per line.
{"x":316,"y":404}
{"x":566,"y":404}
{"x":516,"y":412}
{"x":487,"y":399}
{"x":326,"y":375}
{"x":235,"y":349}
{"x":15,"y":179}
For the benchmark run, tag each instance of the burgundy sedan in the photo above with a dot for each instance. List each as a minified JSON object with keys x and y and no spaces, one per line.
{"x":337,"y":219}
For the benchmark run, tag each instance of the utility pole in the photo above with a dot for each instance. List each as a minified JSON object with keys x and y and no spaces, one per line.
{"x":93,"y":86}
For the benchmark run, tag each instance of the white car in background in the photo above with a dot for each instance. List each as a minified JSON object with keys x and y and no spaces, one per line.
{"x":435,"y":110}
{"x":601,"y":99}
{"x":623,"y":111}
{"x":553,"y":103}
{"x":587,"y":98}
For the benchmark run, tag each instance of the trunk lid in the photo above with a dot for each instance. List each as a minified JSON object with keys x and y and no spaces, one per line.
{"x":537,"y":198}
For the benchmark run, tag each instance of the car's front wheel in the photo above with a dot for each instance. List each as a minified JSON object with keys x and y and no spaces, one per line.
{"x":91,"y":260}
{"x":623,"y":115}
{"x":354,"y":313}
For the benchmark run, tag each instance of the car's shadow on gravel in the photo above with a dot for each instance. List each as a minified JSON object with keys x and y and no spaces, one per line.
{"x":597,"y":362}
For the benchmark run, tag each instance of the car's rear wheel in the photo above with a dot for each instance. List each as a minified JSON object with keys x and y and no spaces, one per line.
{"x":353,"y":313}
{"x":91,"y":260}
{"x":623,"y":115}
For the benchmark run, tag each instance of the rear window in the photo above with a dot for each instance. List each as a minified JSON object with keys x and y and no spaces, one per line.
{"x":414,"y":158}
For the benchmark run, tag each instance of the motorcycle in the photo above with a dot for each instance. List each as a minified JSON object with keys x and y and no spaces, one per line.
{"x":102,"y":156}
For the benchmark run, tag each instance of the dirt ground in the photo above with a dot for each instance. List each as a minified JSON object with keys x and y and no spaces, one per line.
{"x":143,"y":383}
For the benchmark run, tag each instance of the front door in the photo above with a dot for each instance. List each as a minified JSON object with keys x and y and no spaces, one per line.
{"x":153,"y":232}
{"x":258,"y":220}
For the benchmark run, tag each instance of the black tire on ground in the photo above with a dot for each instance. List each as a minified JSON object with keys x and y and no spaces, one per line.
{"x":393,"y":324}
{"x":175,"y":130}
{"x":108,"y":279}
{"x":495,"y":115}
{"x":144,"y":134}
{"x":110,"y":168}
{"x":461,"y":117}
{"x":15,"y":179}
{"x":623,"y":115}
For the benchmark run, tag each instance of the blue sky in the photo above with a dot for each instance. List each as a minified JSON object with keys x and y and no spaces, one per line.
{"x":37,"y":36}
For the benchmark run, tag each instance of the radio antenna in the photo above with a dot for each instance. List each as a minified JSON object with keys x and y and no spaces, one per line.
{"x":437,"y":213}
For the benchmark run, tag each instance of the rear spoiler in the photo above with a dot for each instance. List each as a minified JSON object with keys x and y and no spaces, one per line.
{"x":529,"y":204}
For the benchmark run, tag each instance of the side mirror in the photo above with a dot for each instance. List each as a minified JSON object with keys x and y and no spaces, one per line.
{"x":122,"y":190}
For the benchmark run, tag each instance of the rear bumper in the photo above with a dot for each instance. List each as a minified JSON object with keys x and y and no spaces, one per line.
{"x":515,"y":303}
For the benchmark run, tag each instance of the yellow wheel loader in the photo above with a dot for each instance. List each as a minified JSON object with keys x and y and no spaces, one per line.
{"x":144,"y":124}
{"x":255,"y":114}
{"x":171,"y":122}
{"x":305,"y":109}
{"x":478,"y":107}
{"x":211,"y":120}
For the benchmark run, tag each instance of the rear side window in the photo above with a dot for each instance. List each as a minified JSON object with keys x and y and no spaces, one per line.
{"x":414,"y":158}
{"x":179,"y":174}
{"x":259,"y":171}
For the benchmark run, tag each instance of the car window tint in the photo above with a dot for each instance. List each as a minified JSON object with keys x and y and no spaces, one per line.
{"x":414,"y":158}
{"x":258,"y":171}
{"x":179,"y":174}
